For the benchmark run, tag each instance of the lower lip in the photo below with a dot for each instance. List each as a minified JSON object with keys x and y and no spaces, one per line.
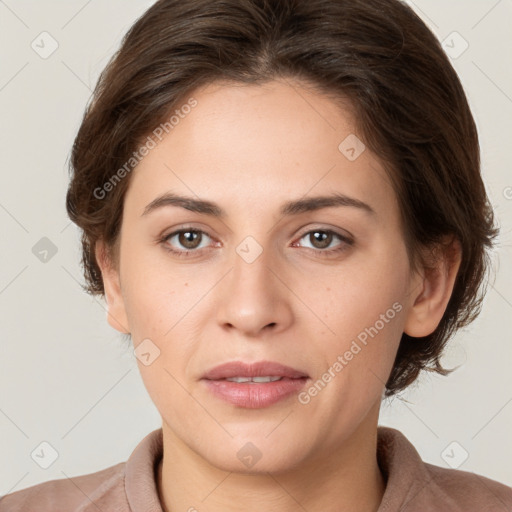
{"x":257,"y":395}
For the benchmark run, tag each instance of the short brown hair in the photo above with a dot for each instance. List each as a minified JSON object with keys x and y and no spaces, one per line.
{"x":410,"y":108}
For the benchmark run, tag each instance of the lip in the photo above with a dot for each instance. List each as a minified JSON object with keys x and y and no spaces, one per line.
{"x":254,"y":395}
{"x":257,"y":369}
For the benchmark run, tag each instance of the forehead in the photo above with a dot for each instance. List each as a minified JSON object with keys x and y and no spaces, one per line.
{"x":260,"y":144}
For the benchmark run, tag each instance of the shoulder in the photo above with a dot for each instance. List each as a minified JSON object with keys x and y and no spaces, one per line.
{"x":414,"y":485}
{"x":468,"y":490}
{"x":123,"y":487}
{"x":70,"y":494}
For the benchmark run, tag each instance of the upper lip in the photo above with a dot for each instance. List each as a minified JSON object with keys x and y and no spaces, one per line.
{"x":257,"y":369}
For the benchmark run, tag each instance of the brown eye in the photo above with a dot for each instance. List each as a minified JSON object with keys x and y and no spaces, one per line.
{"x":186,"y":241}
{"x":189,"y":239}
{"x":321,"y":239}
{"x":325,"y":242}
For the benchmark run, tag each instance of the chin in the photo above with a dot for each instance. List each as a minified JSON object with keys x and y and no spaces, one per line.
{"x":257,"y":454}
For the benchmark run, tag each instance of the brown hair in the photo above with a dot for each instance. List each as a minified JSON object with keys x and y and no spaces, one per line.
{"x":410,"y":108}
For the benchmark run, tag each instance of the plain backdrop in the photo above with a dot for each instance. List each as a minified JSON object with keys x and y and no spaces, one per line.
{"x":66,"y":378}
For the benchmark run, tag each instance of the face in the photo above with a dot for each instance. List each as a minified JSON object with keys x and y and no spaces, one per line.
{"x":263,"y":272}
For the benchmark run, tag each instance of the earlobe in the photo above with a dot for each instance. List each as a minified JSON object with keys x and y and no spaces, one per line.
{"x":116,"y":312}
{"x":436,"y":286}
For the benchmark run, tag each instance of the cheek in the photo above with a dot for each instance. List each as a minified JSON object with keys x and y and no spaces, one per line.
{"x":155,"y":298}
{"x":161,"y":309}
{"x":363,"y":308}
{"x":163,"y":303}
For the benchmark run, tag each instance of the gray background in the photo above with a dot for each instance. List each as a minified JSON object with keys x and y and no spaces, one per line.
{"x":66,"y":379}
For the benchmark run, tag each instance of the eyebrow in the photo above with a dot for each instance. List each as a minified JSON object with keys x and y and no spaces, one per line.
{"x":289,"y":208}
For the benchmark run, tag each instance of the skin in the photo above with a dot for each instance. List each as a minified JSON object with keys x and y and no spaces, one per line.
{"x":249,"y":149}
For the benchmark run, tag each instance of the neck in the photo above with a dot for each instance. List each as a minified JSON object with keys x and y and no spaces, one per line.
{"x":347,"y":478}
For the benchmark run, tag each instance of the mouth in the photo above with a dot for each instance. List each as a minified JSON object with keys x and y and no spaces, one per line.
{"x":265,"y":369}
{"x":255,"y":385}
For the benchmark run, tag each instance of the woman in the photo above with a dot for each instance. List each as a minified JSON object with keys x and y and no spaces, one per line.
{"x":281,"y":203}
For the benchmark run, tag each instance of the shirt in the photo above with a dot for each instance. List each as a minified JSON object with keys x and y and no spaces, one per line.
{"x":411,"y":484}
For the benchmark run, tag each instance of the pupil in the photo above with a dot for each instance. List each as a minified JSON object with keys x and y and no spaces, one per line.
{"x":324,"y":239}
{"x":189,"y":239}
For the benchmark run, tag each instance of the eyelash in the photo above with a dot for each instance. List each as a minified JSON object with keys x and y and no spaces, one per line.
{"x":347,"y":242}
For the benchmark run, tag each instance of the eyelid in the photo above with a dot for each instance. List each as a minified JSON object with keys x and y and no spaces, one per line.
{"x":165,"y":237}
{"x":346,"y":240}
{"x":337,"y":231}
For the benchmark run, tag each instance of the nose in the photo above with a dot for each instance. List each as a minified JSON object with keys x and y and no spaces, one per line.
{"x":254,"y":298}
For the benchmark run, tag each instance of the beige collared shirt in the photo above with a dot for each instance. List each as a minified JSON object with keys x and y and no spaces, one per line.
{"x":411,"y":484}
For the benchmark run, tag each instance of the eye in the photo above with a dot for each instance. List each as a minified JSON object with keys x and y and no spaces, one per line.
{"x":322,"y":239}
{"x":186,"y":240}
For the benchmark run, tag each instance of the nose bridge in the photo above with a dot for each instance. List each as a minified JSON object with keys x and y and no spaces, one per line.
{"x":252,"y":297}
{"x":251,"y":267}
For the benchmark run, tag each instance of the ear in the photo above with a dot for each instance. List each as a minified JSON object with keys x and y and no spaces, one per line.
{"x":116,"y":312}
{"x":435,"y":285}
